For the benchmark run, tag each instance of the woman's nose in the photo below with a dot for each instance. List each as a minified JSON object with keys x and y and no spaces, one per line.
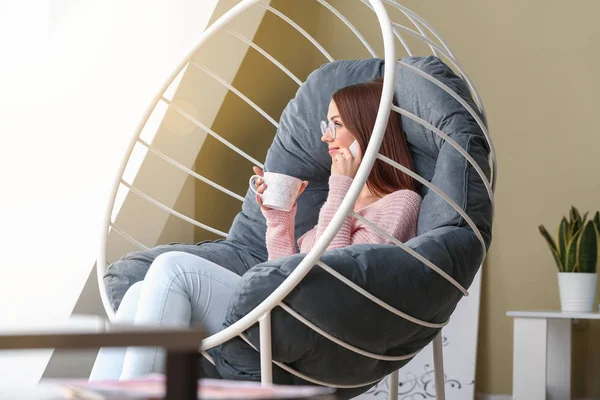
{"x":326,"y":138}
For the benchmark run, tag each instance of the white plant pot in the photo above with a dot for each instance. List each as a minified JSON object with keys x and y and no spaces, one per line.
{"x":577,"y":291}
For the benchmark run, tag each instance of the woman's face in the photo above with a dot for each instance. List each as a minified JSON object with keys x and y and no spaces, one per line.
{"x":343,"y":137}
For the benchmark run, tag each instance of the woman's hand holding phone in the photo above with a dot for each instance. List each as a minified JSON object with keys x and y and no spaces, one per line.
{"x":346,"y":160}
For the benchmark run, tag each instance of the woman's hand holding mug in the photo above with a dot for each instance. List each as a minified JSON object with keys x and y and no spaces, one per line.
{"x":259,"y":186}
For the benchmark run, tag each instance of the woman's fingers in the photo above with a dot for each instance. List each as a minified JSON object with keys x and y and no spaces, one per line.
{"x":302,"y":187}
{"x":258,"y":171}
{"x":345,"y":152}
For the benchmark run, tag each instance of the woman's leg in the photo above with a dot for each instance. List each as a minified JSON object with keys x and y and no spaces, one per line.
{"x":109,"y":363}
{"x":180,"y":289}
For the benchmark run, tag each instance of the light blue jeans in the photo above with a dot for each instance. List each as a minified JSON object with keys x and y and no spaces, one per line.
{"x":180,"y":289}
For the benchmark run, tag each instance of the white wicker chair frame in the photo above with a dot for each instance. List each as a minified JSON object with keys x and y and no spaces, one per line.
{"x":261,"y":313}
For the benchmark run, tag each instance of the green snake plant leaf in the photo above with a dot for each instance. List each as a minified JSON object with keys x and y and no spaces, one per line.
{"x":576,"y":224}
{"x":553,"y":248}
{"x":574,"y":215}
{"x":571,"y":254}
{"x":582,"y":222}
{"x":562,"y":241}
{"x":571,"y":231}
{"x":571,"y":223}
{"x":587,"y":248}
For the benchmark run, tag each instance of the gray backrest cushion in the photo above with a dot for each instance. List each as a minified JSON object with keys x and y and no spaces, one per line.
{"x":297,"y":148}
{"x":437,"y":160}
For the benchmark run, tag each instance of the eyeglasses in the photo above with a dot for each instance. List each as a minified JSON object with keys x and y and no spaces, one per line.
{"x":328,"y":127}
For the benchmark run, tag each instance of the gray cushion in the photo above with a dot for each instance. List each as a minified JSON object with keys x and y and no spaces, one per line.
{"x":297,"y":149}
{"x":384,"y":270}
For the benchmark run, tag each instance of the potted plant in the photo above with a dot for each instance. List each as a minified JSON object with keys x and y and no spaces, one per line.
{"x":576,"y":254}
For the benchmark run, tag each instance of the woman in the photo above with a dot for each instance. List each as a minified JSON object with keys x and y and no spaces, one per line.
{"x":182,"y":289}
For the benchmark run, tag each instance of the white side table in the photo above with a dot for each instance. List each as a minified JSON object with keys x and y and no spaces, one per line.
{"x":542,"y":353}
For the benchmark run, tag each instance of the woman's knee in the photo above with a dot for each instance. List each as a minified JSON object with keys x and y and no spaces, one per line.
{"x":168,"y":266}
{"x":129,"y":304}
{"x":133,"y":293}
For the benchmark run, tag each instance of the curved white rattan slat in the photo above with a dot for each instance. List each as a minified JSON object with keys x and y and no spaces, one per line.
{"x":398,"y":36}
{"x":128,"y":237}
{"x":265,"y":54}
{"x":190,"y":172}
{"x":345,"y":207}
{"x":307,"y":378}
{"x":173,"y":212}
{"x":404,"y":44}
{"x":448,"y":200}
{"x":298,"y":28}
{"x":433,"y":45}
{"x":237,"y":92}
{"x":380,"y":302}
{"x":411,"y":15}
{"x":341,"y":342}
{"x":420,"y":29}
{"x":435,"y":33}
{"x":413,"y":20}
{"x":450,"y":58}
{"x":462,"y":102}
{"x":453,"y":143}
{"x":349,"y":25}
{"x":266,"y":356}
{"x":214,"y":134}
{"x":413,"y":253}
{"x":431,"y":29}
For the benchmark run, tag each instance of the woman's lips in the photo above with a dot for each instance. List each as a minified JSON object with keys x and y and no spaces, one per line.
{"x":333,"y":150}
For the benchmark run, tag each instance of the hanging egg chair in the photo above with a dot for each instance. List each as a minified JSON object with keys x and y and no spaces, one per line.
{"x":348,"y":317}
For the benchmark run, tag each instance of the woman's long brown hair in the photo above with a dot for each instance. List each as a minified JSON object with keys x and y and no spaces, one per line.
{"x":358,"y":105}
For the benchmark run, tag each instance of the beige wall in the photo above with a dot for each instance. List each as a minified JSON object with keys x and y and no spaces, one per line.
{"x":534,"y":64}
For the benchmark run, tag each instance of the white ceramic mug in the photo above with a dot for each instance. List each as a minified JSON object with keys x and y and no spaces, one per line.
{"x":281,"y":191}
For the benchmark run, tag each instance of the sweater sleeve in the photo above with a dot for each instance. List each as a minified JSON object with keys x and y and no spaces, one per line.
{"x":338,"y":188}
{"x":280,"y":232}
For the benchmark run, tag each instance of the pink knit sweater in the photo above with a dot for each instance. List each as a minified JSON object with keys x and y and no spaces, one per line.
{"x":395,"y":213}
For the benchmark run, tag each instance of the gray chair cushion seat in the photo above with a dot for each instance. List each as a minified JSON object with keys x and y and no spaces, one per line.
{"x":386,"y":271}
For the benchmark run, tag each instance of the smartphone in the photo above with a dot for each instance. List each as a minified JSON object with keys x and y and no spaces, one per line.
{"x":353,"y":148}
